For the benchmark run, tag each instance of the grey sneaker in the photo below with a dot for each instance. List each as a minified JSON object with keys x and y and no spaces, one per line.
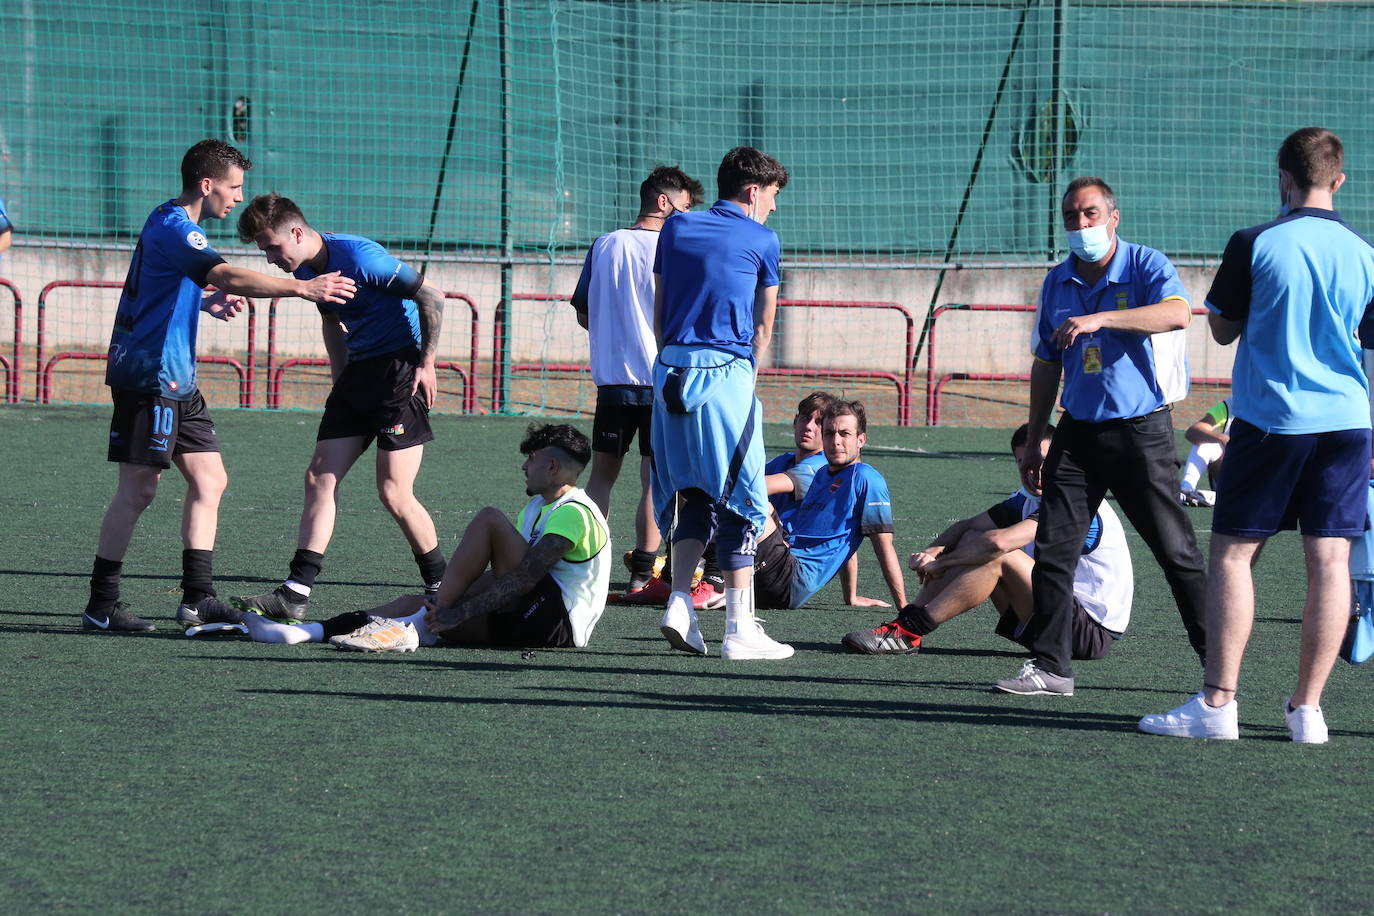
{"x":278,"y":604}
{"x":1033,"y":681}
{"x":1195,"y":719}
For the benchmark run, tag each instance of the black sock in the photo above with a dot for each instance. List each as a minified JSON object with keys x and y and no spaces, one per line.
{"x":431,"y":566}
{"x":305,"y":566}
{"x":917,"y":619}
{"x":642,"y":563}
{"x":197,"y":581}
{"x":104,"y":584}
{"x":344,"y":623}
{"x":711,"y":569}
{"x":667,"y":574}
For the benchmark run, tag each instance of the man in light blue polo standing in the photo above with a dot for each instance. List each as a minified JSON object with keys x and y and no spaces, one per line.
{"x":1293,"y":291}
{"x":1097,"y":312}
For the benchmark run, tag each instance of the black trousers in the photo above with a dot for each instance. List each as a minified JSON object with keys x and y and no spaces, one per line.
{"x":1136,"y":460}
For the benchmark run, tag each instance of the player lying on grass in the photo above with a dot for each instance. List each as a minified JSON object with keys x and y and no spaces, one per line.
{"x":542,"y":584}
{"x":990,"y":556}
{"x":381,"y":347}
{"x":846,"y":502}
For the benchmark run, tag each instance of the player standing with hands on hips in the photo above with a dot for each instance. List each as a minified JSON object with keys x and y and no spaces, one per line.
{"x":717,"y":291}
{"x":160,"y":418}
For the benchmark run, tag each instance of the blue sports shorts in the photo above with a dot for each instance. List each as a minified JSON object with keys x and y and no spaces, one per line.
{"x":1272,"y":482}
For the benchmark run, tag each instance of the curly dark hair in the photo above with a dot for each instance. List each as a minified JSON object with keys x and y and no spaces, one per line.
{"x":210,"y":159}
{"x":743,"y":166}
{"x":665,"y":179}
{"x":565,"y":438}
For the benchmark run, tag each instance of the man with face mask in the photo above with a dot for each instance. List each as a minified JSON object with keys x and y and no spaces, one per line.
{"x":1096,"y":313}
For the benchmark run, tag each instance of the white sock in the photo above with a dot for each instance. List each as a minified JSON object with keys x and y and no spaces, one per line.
{"x":1199,"y":459}
{"x":417,"y":620}
{"x":301,"y":591}
{"x":739,"y":605}
{"x":260,"y":629}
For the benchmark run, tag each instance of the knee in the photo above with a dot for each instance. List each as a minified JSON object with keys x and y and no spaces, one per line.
{"x":138,"y":496}
{"x":318,"y":482}
{"x":209,"y":485}
{"x":394,"y":496}
{"x":488,"y":516}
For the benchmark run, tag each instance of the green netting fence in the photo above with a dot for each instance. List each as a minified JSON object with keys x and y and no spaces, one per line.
{"x":490,"y":141}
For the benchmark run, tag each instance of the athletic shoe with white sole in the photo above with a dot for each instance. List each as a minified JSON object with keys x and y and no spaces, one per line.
{"x":1204,"y":499}
{"x":679,"y":625}
{"x":890,"y":638}
{"x":1033,"y":681}
{"x":118,"y":619}
{"x":746,"y":640}
{"x":1195,"y":719}
{"x":279,"y":604}
{"x":706,"y":597}
{"x":1306,"y":724}
{"x":381,"y":635}
{"x":209,"y":616}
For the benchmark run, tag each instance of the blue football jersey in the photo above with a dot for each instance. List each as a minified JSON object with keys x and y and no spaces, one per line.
{"x":839,"y":509}
{"x":153,"y":345}
{"x":381,"y":317}
{"x":802,"y":472}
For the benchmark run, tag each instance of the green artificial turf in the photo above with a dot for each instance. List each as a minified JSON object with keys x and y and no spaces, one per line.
{"x":160,"y":774}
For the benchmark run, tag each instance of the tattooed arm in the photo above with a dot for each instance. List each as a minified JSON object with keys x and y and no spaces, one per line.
{"x":536,"y":563}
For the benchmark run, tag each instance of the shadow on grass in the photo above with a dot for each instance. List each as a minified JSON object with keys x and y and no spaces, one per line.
{"x":885,"y":710}
{"x":85,"y":574}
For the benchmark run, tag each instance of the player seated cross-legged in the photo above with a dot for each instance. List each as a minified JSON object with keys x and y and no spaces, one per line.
{"x":542,"y":584}
{"x":846,"y":501}
{"x":989,"y":556}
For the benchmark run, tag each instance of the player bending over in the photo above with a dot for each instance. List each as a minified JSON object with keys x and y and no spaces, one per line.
{"x":542,"y":584}
{"x":991,"y":556}
{"x":381,"y":349}
{"x":160,"y":418}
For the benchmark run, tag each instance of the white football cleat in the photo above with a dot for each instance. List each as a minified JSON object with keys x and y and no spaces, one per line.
{"x":745,"y":639}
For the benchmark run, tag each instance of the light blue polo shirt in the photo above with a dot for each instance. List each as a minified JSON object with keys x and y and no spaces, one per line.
{"x":710,"y":265}
{"x":1301,"y":284}
{"x":1108,"y":375}
{"x":802,"y":473}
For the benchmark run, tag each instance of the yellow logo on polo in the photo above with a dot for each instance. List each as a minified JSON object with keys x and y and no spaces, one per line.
{"x":1122,"y":299}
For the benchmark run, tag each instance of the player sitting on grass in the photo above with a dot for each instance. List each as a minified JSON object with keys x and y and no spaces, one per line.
{"x":990,"y":556}
{"x":381,"y":347}
{"x":789,"y":475}
{"x":540,"y":585}
{"x":1209,"y":437}
{"x":846,"y":502}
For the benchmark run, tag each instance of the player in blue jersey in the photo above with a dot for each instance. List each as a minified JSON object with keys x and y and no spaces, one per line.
{"x":717,"y":276}
{"x":847,"y":501}
{"x":382,"y":345}
{"x":6,"y":229}
{"x":160,"y":418}
{"x":788,"y":476}
{"x":1293,"y":291}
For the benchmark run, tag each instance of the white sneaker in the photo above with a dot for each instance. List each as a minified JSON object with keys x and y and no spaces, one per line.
{"x":1306,"y":724}
{"x":679,"y":625}
{"x":381,"y":635}
{"x":745,"y":639}
{"x":1195,"y":719}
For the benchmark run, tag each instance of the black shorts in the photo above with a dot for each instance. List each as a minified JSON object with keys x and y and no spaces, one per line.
{"x":622,"y":411}
{"x":775,"y":566}
{"x":149,"y":429}
{"x":538,"y":620}
{"x":1091,"y":640}
{"x":372,"y":399}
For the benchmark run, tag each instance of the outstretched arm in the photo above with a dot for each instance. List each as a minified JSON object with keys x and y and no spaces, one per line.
{"x":326,"y":288}
{"x":505,"y":589}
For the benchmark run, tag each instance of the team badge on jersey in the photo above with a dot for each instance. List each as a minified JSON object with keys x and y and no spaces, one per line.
{"x":197,"y":240}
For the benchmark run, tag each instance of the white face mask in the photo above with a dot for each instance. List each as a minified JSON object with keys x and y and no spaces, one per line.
{"x":1090,"y":244}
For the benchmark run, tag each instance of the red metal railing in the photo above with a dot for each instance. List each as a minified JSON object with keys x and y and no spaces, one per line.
{"x":901,"y":383}
{"x":935,"y":386}
{"x":44,"y":367}
{"x":12,"y":367}
{"x":468,"y":374}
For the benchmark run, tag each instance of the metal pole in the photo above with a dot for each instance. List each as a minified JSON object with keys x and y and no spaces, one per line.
{"x":503,"y":308}
{"x":448,"y":139}
{"x":1058,"y":112}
